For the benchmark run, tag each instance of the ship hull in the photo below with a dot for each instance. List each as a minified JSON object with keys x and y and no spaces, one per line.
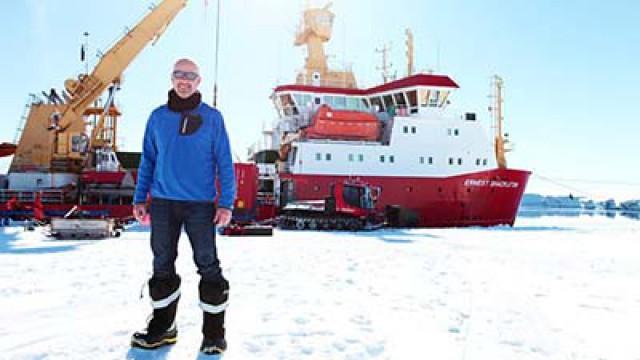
{"x":485,"y":198}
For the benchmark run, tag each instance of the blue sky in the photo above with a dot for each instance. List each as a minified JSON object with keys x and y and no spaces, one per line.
{"x":570,"y":67}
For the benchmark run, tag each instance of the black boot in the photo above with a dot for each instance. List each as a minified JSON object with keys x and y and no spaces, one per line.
{"x":213,"y":346}
{"x":213,"y":301}
{"x":161,"y":329}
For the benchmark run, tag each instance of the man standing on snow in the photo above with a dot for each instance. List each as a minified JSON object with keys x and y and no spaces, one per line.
{"x":185,"y":149}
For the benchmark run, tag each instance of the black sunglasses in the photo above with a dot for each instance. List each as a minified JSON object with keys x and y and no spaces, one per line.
{"x":185,"y":75}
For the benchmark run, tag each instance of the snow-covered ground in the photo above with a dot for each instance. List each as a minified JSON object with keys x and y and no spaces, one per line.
{"x":550,"y":288}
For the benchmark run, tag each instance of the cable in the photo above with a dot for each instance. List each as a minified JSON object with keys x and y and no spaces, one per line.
{"x":568,"y":187}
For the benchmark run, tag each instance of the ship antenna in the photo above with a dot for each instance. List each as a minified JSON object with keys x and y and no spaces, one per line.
{"x":386,"y":66}
{"x":217,"y":51}
{"x":438,"y":58}
{"x":83,"y":52}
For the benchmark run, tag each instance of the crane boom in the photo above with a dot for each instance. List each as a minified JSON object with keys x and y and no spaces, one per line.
{"x":88,"y":88}
{"x":54,"y":135}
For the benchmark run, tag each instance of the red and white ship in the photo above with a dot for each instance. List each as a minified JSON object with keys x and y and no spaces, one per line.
{"x":435,"y":167}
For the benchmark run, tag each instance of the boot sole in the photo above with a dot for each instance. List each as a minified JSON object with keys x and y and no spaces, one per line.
{"x":216,"y":351}
{"x":164,"y":342}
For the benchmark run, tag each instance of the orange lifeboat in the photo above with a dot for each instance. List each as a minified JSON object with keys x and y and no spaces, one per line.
{"x":342,"y":125}
{"x":7,"y":149}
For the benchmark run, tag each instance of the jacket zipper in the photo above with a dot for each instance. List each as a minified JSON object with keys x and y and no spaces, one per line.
{"x":184,"y":125}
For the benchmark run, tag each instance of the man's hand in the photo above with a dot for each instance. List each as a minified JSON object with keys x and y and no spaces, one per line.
{"x":223,"y":217}
{"x":139,"y":212}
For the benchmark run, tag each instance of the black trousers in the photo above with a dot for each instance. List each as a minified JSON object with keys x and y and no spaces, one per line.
{"x":167,"y":219}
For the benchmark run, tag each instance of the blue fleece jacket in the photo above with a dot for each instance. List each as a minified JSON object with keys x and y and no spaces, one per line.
{"x":178,"y":166}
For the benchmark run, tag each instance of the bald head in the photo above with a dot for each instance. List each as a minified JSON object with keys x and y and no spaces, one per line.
{"x":185,"y":77}
{"x":184,"y":62}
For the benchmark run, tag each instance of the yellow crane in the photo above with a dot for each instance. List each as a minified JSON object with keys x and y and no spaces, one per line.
{"x":54,"y":135}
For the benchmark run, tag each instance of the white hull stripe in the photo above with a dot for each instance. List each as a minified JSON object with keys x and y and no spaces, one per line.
{"x":213,"y":309}
{"x":163,"y":303}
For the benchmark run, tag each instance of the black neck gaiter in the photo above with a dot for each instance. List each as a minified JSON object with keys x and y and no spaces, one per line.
{"x":178,"y":104}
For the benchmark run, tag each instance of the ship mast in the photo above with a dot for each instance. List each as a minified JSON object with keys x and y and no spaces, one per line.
{"x":409,"y":42}
{"x":315,"y":29}
{"x":386,"y":65}
{"x":498,"y":118}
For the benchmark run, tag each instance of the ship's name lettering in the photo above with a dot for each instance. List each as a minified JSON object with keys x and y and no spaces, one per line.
{"x":490,"y":183}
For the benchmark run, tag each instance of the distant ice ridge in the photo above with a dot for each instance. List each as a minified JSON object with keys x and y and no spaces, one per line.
{"x":576,"y":202}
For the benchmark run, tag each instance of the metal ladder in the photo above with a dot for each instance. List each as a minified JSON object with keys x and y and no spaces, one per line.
{"x":23,"y":119}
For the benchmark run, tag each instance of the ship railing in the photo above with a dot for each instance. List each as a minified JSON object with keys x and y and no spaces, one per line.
{"x":307,"y":81}
{"x":335,"y":141}
{"x":29,"y":196}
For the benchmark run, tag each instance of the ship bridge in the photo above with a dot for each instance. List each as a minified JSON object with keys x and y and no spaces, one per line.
{"x":401,"y":97}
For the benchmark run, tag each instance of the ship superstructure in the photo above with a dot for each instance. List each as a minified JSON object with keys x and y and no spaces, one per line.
{"x":435,"y":166}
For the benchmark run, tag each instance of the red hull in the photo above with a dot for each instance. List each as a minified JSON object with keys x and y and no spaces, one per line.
{"x":478,"y":199}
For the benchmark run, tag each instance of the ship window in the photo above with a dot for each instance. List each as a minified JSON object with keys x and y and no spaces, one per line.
{"x":391,"y":158}
{"x":318,"y":156}
{"x":360,"y":157}
{"x":356,"y":104}
{"x":433,"y":100}
{"x":449,"y":132}
{"x":327,"y":157}
{"x":456,"y":132}
{"x":381,"y":158}
{"x":459,"y":161}
{"x":450,"y":161}
{"x":405,"y":129}
{"x":317,"y":100}
{"x":336,"y":102}
{"x":350,"y":157}
{"x":399,"y":97}
{"x":376,"y":103}
{"x":413,"y":129}
{"x":424,"y":97}
{"x":484,"y":162}
{"x":388,"y":102}
{"x":478,"y":162}
{"x":413,"y":101}
{"x":303,"y":100}
{"x":288,"y":107}
{"x":443,"y":99}
{"x":421,"y":159}
{"x":339,"y":102}
{"x":430,"y":160}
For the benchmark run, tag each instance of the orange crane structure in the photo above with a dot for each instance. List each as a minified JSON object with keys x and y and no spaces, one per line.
{"x":66,"y":152}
